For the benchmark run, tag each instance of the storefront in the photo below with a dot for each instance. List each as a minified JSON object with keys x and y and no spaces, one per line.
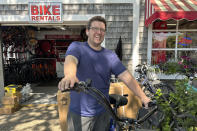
{"x":172,"y":30}
{"x":61,"y":22}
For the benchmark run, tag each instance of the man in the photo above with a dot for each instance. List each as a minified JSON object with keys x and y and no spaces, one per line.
{"x":89,"y":60}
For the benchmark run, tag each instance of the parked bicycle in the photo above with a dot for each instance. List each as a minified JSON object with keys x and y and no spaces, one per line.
{"x":120,"y":124}
{"x":149,"y":82}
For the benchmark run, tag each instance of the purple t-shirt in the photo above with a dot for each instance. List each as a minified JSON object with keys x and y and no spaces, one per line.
{"x":97,"y":66}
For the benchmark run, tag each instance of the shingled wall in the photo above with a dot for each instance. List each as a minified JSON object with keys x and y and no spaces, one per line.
{"x":119,"y":20}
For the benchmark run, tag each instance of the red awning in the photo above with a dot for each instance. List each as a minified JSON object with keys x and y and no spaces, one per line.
{"x":170,"y":9}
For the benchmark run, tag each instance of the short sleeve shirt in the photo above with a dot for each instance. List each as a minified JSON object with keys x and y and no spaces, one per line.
{"x":97,"y":66}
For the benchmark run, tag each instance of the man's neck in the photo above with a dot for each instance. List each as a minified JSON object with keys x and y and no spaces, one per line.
{"x":97,"y":48}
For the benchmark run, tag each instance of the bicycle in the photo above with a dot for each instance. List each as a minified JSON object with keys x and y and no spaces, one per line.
{"x":150,"y":86}
{"x":120,"y":124}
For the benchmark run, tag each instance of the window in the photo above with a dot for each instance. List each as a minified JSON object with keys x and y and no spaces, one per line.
{"x":173,"y":39}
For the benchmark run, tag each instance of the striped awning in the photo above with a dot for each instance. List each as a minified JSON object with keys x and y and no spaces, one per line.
{"x":170,"y":9}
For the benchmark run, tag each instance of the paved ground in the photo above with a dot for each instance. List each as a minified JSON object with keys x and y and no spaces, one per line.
{"x":38,"y":114}
{"x":38,"y":118}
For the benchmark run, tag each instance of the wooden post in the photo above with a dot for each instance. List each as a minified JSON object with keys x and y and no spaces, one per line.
{"x":63,"y":100}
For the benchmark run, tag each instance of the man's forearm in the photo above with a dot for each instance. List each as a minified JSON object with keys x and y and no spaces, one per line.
{"x":70,"y":70}
{"x":70,"y":66}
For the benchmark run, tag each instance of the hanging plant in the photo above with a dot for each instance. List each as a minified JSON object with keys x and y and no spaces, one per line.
{"x":170,"y":68}
{"x":183,"y":66}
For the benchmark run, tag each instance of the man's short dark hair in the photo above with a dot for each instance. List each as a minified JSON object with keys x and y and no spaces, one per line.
{"x":96,"y":18}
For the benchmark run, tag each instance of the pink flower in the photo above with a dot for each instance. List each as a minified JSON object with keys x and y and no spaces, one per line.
{"x":188,"y":58}
{"x":185,"y":66}
{"x":183,"y":57}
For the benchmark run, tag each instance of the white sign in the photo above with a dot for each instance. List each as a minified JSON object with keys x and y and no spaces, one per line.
{"x":45,"y":12}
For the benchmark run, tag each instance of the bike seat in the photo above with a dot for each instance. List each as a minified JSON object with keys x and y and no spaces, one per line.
{"x":118,"y":100}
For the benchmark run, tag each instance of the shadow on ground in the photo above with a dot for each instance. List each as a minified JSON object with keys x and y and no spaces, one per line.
{"x":40,"y":113}
{"x":37,"y":118}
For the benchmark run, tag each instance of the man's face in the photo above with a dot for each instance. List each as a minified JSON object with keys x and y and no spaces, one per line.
{"x":96,"y":33}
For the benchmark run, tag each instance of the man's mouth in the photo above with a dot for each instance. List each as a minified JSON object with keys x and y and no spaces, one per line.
{"x":98,"y":37}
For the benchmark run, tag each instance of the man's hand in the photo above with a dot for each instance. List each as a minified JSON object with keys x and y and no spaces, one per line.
{"x":145,"y":101}
{"x":67,"y":82}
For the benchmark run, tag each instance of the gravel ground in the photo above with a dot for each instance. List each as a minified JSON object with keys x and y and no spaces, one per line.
{"x":35,"y":118}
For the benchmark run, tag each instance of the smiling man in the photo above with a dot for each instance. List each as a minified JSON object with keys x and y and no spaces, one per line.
{"x":89,"y":60}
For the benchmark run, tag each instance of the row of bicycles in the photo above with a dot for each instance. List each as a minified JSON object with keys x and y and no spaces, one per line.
{"x":32,"y":71}
{"x":173,"y":100}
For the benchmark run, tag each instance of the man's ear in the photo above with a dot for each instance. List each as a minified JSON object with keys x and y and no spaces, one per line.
{"x":87,"y":32}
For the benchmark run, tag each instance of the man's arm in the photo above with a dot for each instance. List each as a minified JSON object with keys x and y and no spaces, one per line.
{"x":70,"y":70}
{"x":133,"y":85}
{"x":70,"y":66}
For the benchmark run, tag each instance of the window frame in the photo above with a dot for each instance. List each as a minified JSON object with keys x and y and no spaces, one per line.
{"x":176,"y":49}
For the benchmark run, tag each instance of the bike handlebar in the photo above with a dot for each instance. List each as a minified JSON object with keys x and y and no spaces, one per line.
{"x":85,"y":87}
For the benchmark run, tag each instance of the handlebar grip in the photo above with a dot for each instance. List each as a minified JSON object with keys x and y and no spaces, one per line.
{"x":71,"y":89}
{"x":150,"y":104}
